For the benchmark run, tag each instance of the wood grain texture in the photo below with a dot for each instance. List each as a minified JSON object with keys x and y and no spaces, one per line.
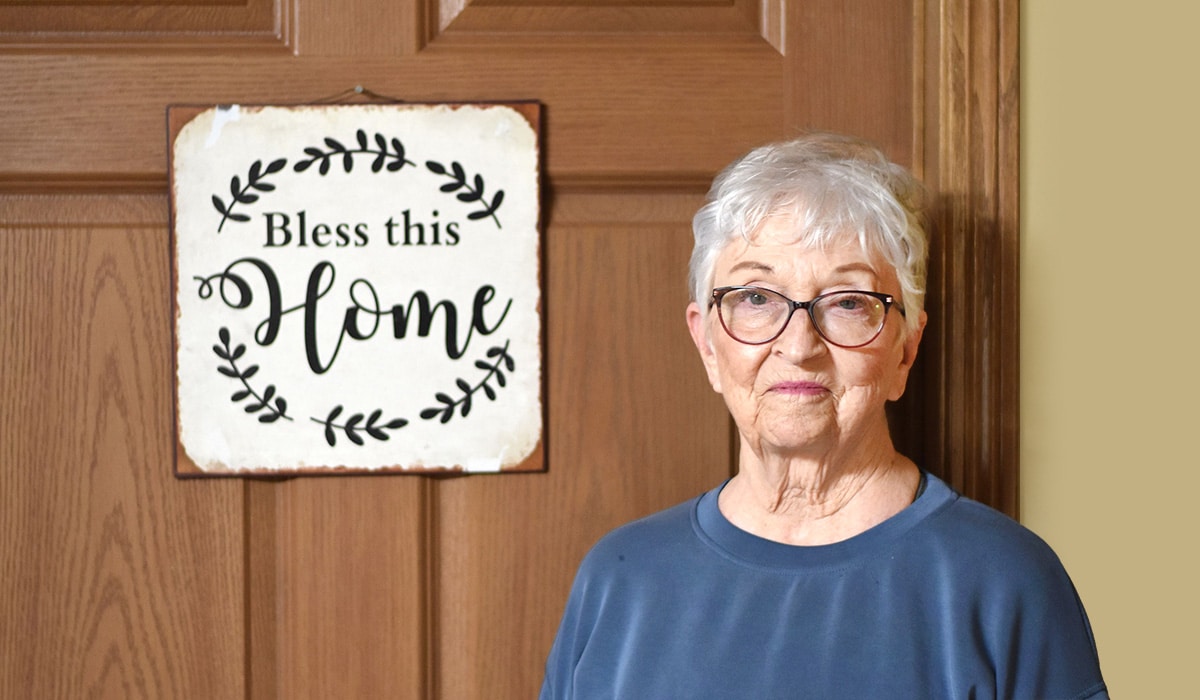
{"x":850,"y":69}
{"x":262,"y":637}
{"x":118,"y":580}
{"x":634,"y":427}
{"x":604,"y":101}
{"x":360,"y":28}
{"x":249,"y":24}
{"x":971,"y":152}
{"x":350,"y":617}
{"x":708,"y":17}
{"x":939,"y":95}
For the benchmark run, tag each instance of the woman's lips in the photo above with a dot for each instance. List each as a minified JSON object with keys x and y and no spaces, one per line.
{"x":799,"y":388}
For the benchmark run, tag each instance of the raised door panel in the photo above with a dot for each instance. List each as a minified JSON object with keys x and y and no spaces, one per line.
{"x":456,"y":18}
{"x":606,"y":101}
{"x":125,"y":24}
{"x":117,"y":582}
{"x":350,"y":589}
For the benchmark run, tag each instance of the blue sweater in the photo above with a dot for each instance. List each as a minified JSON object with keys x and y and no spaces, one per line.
{"x":946,"y":599}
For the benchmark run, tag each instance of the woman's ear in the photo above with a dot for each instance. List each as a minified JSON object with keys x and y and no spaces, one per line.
{"x":698,"y":326}
{"x":911,"y":344}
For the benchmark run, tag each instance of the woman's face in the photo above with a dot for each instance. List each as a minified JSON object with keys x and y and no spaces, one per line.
{"x":798,"y":393}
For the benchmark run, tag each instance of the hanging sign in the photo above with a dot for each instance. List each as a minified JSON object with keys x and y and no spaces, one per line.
{"x":356,"y":288}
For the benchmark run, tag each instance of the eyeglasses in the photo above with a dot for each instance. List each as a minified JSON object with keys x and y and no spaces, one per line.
{"x":848,"y":319}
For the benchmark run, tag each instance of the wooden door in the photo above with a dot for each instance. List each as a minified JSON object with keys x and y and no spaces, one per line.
{"x":121,"y":581}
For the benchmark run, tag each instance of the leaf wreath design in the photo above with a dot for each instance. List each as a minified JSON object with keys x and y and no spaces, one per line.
{"x":352,"y":426}
{"x":337,"y":148}
{"x":463,"y":404}
{"x":470,"y":192}
{"x":243,"y":195}
{"x":262,"y":402}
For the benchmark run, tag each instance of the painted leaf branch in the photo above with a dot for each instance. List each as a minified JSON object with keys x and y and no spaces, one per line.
{"x":354,"y":425}
{"x":492,"y":371}
{"x":470,"y":192}
{"x":243,"y":195}
{"x":392,"y":159}
{"x":272,"y":406}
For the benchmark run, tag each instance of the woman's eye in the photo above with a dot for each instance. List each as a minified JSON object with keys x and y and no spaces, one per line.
{"x":755,"y":298}
{"x":749,"y":301}
{"x":851,"y":303}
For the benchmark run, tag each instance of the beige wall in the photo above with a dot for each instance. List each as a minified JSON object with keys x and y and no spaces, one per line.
{"x":1110,"y":306}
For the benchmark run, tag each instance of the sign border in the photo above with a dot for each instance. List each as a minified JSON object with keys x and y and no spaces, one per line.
{"x":177,"y":117}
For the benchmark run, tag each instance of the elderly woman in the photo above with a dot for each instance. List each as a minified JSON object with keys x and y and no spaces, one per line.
{"x":830,"y":566}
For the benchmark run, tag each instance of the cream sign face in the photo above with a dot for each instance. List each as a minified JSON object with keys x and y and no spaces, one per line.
{"x":356,"y":288}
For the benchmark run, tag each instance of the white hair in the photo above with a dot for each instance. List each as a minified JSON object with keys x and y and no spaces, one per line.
{"x":833,"y":187}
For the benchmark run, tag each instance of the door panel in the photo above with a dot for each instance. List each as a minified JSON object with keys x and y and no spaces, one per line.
{"x":118,"y":583}
{"x":665,"y":111}
{"x":122,"y":581}
{"x":350,"y":587}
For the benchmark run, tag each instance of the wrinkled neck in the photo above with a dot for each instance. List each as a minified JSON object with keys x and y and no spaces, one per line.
{"x":816,"y":498}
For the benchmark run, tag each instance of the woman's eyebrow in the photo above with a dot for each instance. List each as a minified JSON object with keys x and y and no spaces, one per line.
{"x":855,"y":267}
{"x":752,"y":265}
{"x":764,"y":267}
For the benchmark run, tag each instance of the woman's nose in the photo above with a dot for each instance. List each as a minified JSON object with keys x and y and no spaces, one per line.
{"x":800,"y":339}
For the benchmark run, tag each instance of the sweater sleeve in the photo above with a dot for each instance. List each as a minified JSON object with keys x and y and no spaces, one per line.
{"x":568,"y":643}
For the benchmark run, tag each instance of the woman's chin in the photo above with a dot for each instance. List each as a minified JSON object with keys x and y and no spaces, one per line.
{"x":797,"y":439}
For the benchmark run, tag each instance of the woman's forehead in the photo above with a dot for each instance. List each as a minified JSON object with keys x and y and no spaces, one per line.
{"x":804,"y":269}
{"x":789,"y":228}
{"x":771,"y":249}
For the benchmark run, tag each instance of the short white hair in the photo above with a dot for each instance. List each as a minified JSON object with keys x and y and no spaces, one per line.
{"x":833,"y":187}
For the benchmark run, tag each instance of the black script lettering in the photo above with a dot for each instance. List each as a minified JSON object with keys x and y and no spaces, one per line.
{"x":237,"y":293}
{"x":482,"y":296}
{"x":311,"y":297}
{"x":268,"y":330}
{"x":350,"y":321}
{"x":425,"y":311}
{"x":366,"y":303}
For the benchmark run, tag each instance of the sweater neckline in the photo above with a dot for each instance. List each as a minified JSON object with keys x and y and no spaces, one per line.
{"x":734,"y":543}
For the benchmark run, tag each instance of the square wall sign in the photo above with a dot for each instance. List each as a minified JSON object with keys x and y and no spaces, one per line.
{"x":357,"y":288}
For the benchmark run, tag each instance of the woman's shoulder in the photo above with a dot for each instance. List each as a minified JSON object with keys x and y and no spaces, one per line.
{"x":650,"y":538}
{"x":970,"y":519}
{"x":978,"y":537}
{"x":969,"y":555}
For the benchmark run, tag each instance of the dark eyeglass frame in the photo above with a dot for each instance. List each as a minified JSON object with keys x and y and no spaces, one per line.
{"x":888,"y":300}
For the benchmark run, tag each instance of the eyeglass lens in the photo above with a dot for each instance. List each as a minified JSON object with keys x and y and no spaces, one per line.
{"x":848,"y":319}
